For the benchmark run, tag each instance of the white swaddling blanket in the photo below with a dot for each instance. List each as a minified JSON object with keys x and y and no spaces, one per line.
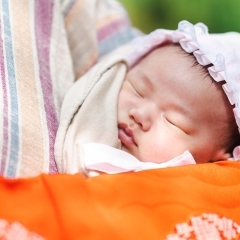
{"x":102,"y":158}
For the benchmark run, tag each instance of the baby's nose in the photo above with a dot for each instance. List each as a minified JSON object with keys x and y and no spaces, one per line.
{"x":142,"y":116}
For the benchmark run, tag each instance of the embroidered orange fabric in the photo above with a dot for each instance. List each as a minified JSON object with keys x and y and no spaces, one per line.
{"x":143,"y":205}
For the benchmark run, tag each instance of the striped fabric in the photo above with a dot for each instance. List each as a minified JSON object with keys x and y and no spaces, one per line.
{"x":44,"y":47}
{"x":95,"y":28}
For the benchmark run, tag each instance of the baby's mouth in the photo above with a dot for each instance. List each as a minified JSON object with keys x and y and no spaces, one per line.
{"x":126,"y":135}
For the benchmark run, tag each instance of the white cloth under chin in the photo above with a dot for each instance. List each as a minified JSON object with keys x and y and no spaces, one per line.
{"x":100,"y":158}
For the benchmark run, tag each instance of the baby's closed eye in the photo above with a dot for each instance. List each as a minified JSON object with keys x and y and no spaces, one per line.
{"x":137,"y":91}
{"x":175,"y":123}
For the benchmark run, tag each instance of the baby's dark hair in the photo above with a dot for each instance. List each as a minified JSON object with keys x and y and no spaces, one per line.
{"x":230,"y":137}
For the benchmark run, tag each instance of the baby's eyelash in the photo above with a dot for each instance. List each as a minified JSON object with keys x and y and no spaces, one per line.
{"x":176,"y":125}
{"x":170,"y":122}
{"x":136,"y":90}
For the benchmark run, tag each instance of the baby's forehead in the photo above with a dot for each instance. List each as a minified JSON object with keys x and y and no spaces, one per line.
{"x":171,"y":53}
{"x":171,"y":57}
{"x":176,"y":72}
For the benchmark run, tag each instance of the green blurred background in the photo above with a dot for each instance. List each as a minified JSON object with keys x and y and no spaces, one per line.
{"x":218,"y":15}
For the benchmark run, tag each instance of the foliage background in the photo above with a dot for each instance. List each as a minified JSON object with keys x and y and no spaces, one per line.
{"x":218,"y":15}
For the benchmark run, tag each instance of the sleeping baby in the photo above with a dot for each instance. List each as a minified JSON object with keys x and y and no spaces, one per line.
{"x":165,"y":102}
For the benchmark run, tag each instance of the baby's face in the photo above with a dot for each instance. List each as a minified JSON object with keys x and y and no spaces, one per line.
{"x":166,"y":107}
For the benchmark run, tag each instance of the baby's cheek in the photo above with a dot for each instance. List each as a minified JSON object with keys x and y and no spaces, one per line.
{"x":153,"y":153}
{"x":160,"y":151}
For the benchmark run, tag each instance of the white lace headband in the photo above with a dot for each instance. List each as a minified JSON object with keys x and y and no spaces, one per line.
{"x":220,"y":50}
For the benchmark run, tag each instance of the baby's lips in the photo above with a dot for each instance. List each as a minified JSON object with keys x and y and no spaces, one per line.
{"x":127,"y":131}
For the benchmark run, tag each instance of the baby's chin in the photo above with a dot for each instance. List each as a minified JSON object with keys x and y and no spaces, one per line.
{"x":127,"y":150}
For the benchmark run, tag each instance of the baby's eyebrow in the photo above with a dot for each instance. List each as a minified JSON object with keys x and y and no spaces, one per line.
{"x":185,"y":111}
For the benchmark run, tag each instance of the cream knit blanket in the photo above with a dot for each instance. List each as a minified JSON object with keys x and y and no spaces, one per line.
{"x":89,"y":114}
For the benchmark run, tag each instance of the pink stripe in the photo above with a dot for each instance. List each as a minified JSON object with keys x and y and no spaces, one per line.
{"x":112,"y":28}
{"x":43,"y":24}
{"x":5,"y":108}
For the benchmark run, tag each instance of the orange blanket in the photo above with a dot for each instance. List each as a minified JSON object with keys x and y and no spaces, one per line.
{"x":195,"y":200}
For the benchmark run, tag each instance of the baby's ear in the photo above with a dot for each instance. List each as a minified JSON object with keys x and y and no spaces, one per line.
{"x":220,"y":155}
